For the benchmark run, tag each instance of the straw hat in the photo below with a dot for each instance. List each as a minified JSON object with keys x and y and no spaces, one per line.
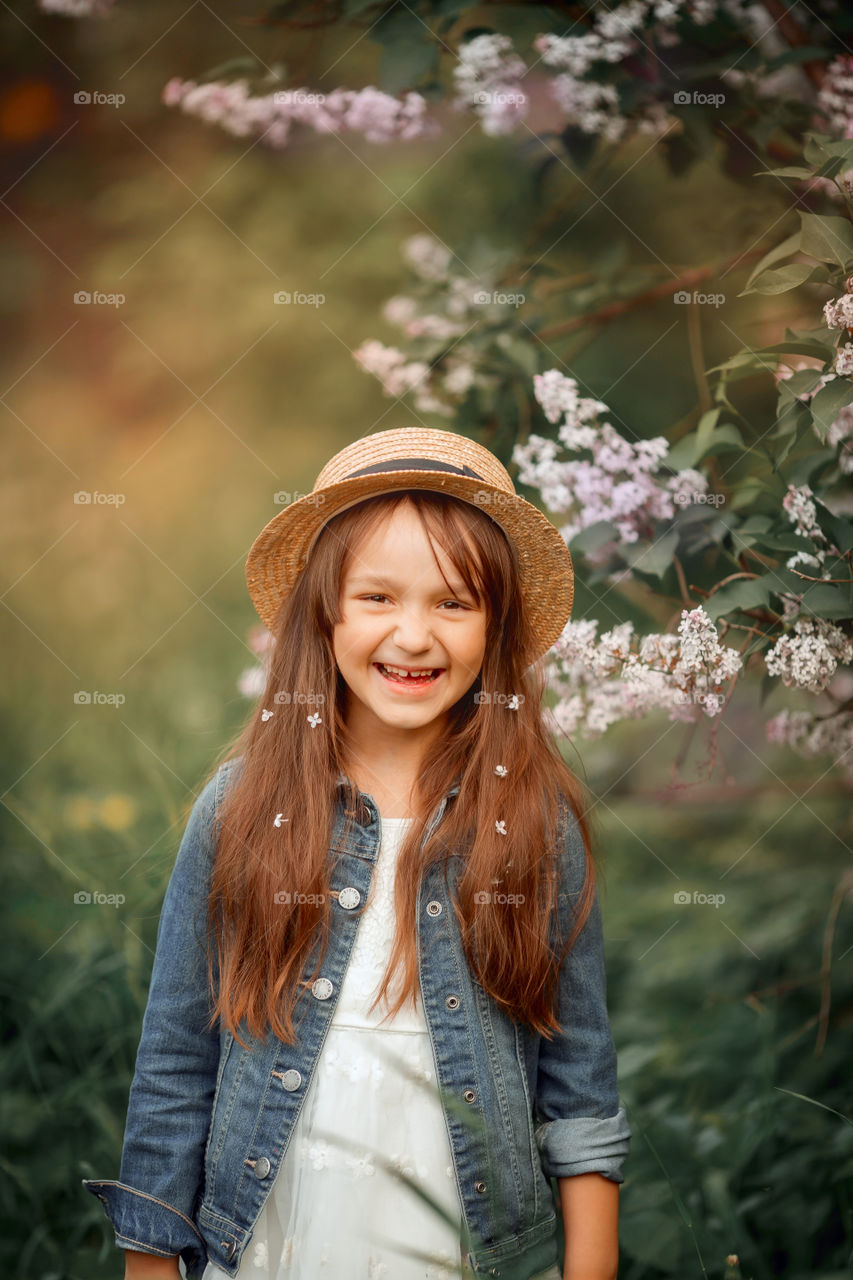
{"x":417,"y":458}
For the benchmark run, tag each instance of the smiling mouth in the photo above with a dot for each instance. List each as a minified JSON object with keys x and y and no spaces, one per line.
{"x":413,"y":682}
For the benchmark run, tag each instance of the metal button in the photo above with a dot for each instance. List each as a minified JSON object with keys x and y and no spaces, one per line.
{"x":434,"y":908}
{"x":322,"y":988}
{"x":469,"y":1095}
{"x":452,"y":1002}
{"x":230,"y":1248}
{"x":349,"y":898}
{"x":291,"y":1080}
{"x":262,"y":1168}
{"x":480,"y":1186}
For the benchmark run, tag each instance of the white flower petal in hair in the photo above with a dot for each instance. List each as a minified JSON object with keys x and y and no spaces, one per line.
{"x":501,"y":770}
{"x":500,"y":827}
{"x":267,"y":715}
{"x":314,"y":720}
{"x":279,"y":819}
{"x":513,"y":702}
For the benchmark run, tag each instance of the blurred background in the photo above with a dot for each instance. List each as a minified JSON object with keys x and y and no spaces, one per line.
{"x":182,"y":407}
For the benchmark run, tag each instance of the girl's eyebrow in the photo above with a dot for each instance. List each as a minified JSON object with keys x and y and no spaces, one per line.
{"x":365,"y":581}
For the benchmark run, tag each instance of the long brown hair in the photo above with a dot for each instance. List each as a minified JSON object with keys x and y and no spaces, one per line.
{"x":269,"y":901}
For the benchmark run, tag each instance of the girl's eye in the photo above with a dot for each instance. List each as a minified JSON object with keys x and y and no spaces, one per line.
{"x":377,"y":596}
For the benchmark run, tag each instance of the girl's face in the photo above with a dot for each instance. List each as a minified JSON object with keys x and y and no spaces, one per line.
{"x":398,"y":610}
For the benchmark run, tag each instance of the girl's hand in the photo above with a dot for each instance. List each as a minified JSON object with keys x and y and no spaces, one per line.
{"x":147,"y":1266}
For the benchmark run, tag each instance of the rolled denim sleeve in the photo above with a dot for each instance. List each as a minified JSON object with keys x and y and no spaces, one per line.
{"x":583,"y":1127}
{"x":151,"y":1206}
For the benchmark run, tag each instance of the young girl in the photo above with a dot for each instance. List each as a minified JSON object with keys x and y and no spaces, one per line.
{"x":376,"y":1042}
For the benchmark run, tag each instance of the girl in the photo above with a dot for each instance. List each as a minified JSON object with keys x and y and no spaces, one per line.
{"x":376,"y":1042}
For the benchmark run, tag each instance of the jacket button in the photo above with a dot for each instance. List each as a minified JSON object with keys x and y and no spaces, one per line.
{"x":322,"y":988}
{"x":262,"y":1168}
{"x":230,"y":1248}
{"x":480,"y":1186}
{"x":469,"y":1095}
{"x":291,"y":1079}
{"x":349,"y":898}
{"x":452,"y":1002}
{"x":434,"y":908}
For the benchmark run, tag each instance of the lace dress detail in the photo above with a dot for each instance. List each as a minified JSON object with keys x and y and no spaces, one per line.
{"x":334,"y":1210}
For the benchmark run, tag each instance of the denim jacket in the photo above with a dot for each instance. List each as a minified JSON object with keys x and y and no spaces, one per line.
{"x":208,"y":1122}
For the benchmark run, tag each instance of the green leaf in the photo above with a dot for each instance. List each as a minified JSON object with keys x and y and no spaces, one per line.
{"x":652,"y":558}
{"x":782,"y":250}
{"x":781,"y":279}
{"x":792,"y":171}
{"x":827,"y":238}
{"x":594,"y":536}
{"x":744,"y":593}
{"x":829,"y":400}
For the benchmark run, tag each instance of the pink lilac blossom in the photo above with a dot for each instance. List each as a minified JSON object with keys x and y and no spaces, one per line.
{"x":622,"y":676}
{"x":839,"y":313}
{"x":840,"y":433}
{"x":376,"y":115}
{"x":399,"y":375}
{"x":808,"y":658}
{"x":619,"y":484}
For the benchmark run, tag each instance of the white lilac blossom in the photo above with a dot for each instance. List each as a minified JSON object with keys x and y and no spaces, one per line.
{"x":844,"y":360}
{"x":376,"y":115}
{"x":835,"y":97}
{"x":488,"y":78}
{"x":808,"y":658}
{"x":618,"y":483}
{"x":839,"y":313}
{"x":802,"y":512}
{"x":77,"y":8}
{"x":811,"y":735}
{"x":399,"y":375}
{"x":622,"y":676}
{"x":428,"y":258}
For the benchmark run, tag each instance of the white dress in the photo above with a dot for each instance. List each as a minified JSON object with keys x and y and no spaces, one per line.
{"x":335,"y":1211}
